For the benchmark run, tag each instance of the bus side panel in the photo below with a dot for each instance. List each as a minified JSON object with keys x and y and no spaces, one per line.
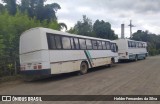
{"x":101,"y":61}
{"x":65,"y":67}
{"x":140,"y":52}
{"x":63,"y":61}
{"x":101,"y":57}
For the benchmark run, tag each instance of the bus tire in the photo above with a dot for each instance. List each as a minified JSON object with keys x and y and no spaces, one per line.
{"x":144,"y":57}
{"x":112,"y":62}
{"x":83,"y":68}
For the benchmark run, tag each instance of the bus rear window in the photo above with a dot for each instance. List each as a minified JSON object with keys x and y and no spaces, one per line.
{"x":51,"y":41}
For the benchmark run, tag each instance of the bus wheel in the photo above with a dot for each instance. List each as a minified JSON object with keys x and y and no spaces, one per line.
{"x":112,"y":62}
{"x":83,"y":68}
{"x":144,"y":57}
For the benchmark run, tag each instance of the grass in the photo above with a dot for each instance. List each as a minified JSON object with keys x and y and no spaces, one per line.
{"x":10,"y":78}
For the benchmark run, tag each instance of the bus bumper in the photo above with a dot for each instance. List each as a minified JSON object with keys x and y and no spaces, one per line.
{"x":35,"y":74}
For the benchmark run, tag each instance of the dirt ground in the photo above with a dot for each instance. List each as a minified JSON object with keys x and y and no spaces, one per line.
{"x":131,"y":78}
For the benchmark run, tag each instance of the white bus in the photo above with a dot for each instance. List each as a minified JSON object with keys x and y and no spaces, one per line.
{"x":131,"y":49}
{"x":45,"y":52}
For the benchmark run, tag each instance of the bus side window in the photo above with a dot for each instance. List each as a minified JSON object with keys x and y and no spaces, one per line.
{"x":82,"y":43}
{"x":66,"y":43}
{"x":99,"y":43}
{"x":94,"y":44}
{"x":129,"y":44}
{"x":116,"y":47}
{"x":141,"y":45}
{"x":112,"y":47}
{"x":137,"y":45}
{"x":103,"y":45}
{"x":72,"y":43}
{"x":51,"y":41}
{"x":58,"y":42}
{"x":108,"y":45}
{"x":134,"y":44}
{"x":76,"y":43}
{"x":89,"y":44}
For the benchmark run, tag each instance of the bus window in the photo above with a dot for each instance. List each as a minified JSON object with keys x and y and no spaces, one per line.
{"x":129,"y":44}
{"x":108,"y":45}
{"x":89,"y":44}
{"x":58,"y":42}
{"x":76,"y":43}
{"x":114,"y":47}
{"x":72,"y":43}
{"x":94,"y":44}
{"x":66,"y":43}
{"x":137,"y":44}
{"x":99,"y":43}
{"x":140,"y":45}
{"x":103,"y":45}
{"x":143,"y":45}
{"x":132,"y":44}
{"x":51,"y":41}
{"x":82,"y":43}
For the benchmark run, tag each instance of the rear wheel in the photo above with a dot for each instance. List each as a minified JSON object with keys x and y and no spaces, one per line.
{"x":112,"y":62}
{"x":144,"y":57}
{"x":83,"y":68}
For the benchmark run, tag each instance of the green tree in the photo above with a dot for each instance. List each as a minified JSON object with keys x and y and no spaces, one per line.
{"x":83,"y":27}
{"x":11,"y":27}
{"x":11,"y":6}
{"x":36,"y":8}
{"x":2,"y":8}
{"x":103,"y":30}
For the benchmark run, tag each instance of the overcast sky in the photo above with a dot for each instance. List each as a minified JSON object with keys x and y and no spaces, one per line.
{"x":145,"y":14}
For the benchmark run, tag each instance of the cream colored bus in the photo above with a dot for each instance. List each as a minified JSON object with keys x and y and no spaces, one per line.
{"x":131,"y":49}
{"x":45,"y":51}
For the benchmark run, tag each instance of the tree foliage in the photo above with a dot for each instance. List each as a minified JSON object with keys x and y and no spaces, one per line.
{"x":103,"y":30}
{"x":83,"y":27}
{"x":36,"y":8}
{"x":17,"y":18}
{"x":11,"y":6}
{"x":100,"y":29}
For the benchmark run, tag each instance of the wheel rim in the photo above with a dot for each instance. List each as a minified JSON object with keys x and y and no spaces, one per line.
{"x":83,"y":68}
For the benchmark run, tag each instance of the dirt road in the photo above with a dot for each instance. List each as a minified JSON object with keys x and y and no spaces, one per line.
{"x":133,"y":78}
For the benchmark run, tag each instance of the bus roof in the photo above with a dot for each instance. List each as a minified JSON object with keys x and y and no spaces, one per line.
{"x":47,"y":30}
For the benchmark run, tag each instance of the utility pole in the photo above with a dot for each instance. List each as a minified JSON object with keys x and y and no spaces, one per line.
{"x":130,"y":25}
